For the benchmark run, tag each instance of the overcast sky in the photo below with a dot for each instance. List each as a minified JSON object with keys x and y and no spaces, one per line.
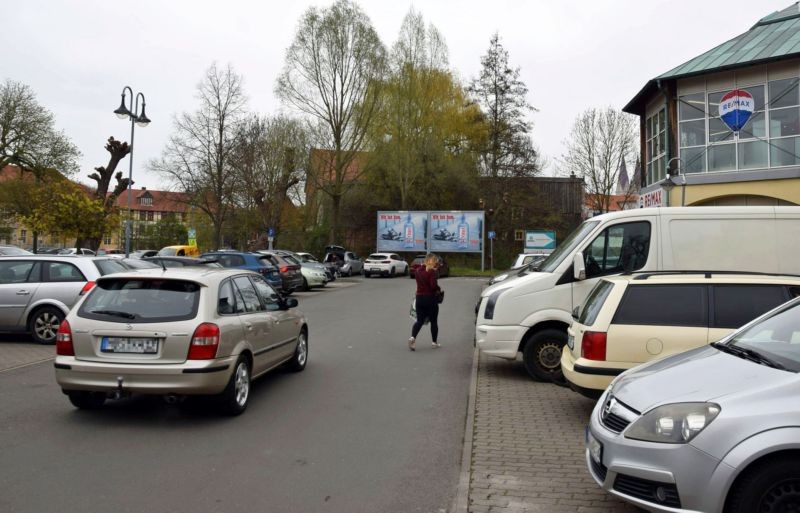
{"x":573,"y":54}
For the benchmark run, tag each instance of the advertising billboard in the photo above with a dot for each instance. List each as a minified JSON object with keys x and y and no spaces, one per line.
{"x":456,"y":232}
{"x":402,"y":231}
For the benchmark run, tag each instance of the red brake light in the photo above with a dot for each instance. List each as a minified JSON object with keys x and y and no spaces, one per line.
{"x":86,"y":288}
{"x":386,"y":262}
{"x":64,"y":340}
{"x":593,"y":345}
{"x":284,"y":269}
{"x":205,"y":342}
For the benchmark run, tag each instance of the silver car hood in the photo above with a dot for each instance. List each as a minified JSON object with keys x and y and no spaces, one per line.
{"x":699,"y":375}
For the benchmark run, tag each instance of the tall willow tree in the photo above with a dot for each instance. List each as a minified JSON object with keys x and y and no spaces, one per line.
{"x":426,"y":130}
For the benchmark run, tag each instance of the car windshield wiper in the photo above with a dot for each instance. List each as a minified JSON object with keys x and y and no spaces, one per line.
{"x":115,"y":313}
{"x":748,"y":354}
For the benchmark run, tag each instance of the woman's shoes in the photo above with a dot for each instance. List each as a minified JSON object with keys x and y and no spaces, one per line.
{"x":412,"y":344}
{"x":435,"y":345}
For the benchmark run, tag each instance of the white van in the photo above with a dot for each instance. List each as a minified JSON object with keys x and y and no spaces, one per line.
{"x":530,"y":314}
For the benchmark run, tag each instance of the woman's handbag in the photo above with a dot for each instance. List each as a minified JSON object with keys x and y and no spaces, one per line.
{"x":439,"y":295}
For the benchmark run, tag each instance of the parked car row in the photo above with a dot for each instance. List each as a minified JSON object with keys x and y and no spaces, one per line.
{"x":693,"y":415}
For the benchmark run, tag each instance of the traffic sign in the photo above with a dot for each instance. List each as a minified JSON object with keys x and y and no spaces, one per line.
{"x":270,"y":232}
{"x":540,"y":239}
{"x":492,"y":234}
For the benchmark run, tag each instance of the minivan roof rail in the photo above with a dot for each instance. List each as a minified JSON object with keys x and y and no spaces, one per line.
{"x":707,"y":273}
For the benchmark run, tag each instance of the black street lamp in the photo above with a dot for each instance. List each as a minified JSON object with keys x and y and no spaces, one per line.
{"x":142,"y":120}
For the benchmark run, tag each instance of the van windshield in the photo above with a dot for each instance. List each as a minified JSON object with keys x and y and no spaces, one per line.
{"x":566,"y":247}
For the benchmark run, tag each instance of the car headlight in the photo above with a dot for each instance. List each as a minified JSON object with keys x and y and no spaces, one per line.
{"x":488,"y":313}
{"x":673,"y":423}
{"x":498,"y":278}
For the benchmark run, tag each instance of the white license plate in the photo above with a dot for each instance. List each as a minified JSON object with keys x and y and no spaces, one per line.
{"x":129,"y":345}
{"x":595,"y":448}
{"x":375,"y":270}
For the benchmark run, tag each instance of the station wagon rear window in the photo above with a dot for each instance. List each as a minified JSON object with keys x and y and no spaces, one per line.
{"x":594,"y":302}
{"x":137,"y":300}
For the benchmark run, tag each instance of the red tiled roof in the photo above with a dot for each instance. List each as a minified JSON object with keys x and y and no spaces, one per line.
{"x":163,"y":201}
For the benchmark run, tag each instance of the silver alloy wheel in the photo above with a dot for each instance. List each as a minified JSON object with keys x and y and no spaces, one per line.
{"x":46,"y":325}
{"x":242,"y":384}
{"x":302,"y":349}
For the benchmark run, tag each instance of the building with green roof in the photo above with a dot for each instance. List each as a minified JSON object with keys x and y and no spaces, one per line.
{"x":690,"y":156}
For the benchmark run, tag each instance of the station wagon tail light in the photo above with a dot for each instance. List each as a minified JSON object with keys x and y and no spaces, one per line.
{"x":284,"y":269}
{"x":64,"y":340}
{"x":86,"y":288}
{"x":593,"y":345}
{"x":205,"y":342}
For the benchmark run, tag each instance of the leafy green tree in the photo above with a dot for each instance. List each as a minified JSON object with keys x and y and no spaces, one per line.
{"x":427,"y":130}
{"x":164,"y":232}
{"x":330,"y":73}
{"x":28,"y":137}
{"x":62,"y":206}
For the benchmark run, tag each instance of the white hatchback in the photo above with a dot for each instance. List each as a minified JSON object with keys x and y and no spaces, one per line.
{"x":385,"y":264}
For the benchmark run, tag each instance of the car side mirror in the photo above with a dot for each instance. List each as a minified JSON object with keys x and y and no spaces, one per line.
{"x":578,"y":266}
{"x":576,"y":312}
{"x":290,"y":303}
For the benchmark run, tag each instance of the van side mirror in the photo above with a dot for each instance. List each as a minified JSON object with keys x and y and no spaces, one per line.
{"x":578,"y":266}
{"x":576,"y":312}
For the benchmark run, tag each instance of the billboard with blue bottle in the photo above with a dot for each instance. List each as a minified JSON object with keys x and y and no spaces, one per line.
{"x":456,"y":232}
{"x":402,"y":231}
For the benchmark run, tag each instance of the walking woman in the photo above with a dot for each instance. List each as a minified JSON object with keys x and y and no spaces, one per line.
{"x":427,"y":304}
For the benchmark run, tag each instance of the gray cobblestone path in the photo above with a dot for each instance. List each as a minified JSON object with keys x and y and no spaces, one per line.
{"x":527,"y":449}
{"x":15,"y":354}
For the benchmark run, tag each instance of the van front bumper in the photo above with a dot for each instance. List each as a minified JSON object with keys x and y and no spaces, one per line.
{"x":500,"y":341}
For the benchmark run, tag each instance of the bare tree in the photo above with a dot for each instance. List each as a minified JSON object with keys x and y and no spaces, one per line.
{"x":270,"y":159}
{"x":330,"y":72}
{"x":28,"y":137}
{"x":117,"y":150}
{"x":599,"y":140}
{"x":197,"y":155}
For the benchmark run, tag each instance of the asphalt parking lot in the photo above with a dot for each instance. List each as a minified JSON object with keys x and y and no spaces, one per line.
{"x":524,"y":449}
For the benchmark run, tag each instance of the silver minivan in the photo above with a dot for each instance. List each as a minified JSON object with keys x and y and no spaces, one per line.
{"x":37,"y":291}
{"x":710,"y":430}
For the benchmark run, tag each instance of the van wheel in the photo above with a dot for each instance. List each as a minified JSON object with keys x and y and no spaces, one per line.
{"x":44,"y":324}
{"x":233,"y":400}
{"x":770,"y":486}
{"x":86,"y":400}
{"x":542,"y":355}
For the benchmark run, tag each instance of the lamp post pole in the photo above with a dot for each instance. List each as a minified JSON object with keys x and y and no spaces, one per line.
{"x":142,"y":120}
{"x":683,"y":178}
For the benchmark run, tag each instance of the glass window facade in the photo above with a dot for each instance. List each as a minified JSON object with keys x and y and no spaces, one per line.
{"x":655,"y":130}
{"x":771,"y":137}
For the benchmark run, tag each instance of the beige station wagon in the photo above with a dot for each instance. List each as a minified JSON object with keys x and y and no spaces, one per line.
{"x":629,"y":320}
{"x":176,"y":332}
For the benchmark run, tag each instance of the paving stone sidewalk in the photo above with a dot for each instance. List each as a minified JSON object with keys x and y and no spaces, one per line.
{"x":528,"y":447}
{"x":18,"y":354}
